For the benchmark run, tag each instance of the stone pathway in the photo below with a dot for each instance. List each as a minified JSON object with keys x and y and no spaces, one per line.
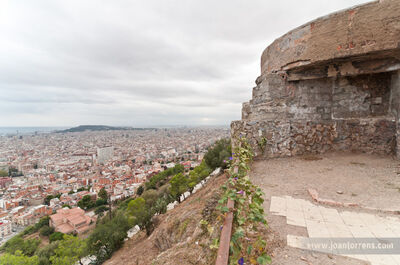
{"x":323,"y":222}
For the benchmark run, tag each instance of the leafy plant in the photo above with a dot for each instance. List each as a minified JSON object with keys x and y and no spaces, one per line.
{"x":56,"y":236}
{"x":217,"y":155}
{"x":262,"y":143}
{"x":248,"y":213}
{"x":46,"y":231}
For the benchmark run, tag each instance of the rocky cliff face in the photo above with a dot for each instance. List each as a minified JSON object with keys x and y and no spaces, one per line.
{"x":331,"y":84}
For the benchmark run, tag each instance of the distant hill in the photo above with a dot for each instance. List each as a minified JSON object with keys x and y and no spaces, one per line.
{"x":82,"y":128}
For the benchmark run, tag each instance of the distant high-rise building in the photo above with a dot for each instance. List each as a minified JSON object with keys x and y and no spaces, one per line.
{"x":104,"y":154}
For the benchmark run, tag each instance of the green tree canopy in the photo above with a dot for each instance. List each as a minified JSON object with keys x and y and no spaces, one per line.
{"x":56,"y":236}
{"x":103,"y":194}
{"x":140,"y":190}
{"x":46,"y":252}
{"x":18,"y":259}
{"x":17,"y":243}
{"x":108,"y":237}
{"x":216,"y":155}
{"x":150,"y":196}
{"x":179,"y":185}
{"x":86,"y":202}
{"x":100,"y":209}
{"x":70,"y":250}
{"x":49,"y":197}
{"x":138,"y":210}
{"x":46,"y":230}
{"x":161,"y":178}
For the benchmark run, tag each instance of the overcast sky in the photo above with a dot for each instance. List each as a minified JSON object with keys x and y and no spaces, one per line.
{"x":138,"y":63}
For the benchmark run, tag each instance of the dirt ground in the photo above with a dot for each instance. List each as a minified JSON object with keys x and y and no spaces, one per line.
{"x":370,"y":181}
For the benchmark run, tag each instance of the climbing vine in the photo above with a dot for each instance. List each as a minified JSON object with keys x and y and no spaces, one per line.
{"x":262,"y":143}
{"x":247,"y":245}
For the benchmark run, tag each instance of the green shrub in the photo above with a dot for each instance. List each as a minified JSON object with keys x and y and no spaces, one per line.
{"x":179,"y":185}
{"x":100,"y":209}
{"x":19,"y":258}
{"x":46,"y":231}
{"x":69,"y":251}
{"x":218,"y":154}
{"x":86,"y":202}
{"x":108,"y":236}
{"x":49,"y":197}
{"x":150,"y":196}
{"x":160,"y":206}
{"x":46,"y":252}
{"x":56,"y":236}
{"x":100,"y":202}
{"x":103,"y":194}
{"x":17,"y":243}
{"x":44,"y":221}
{"x":140,"y":190}
{"x":160,"y":179}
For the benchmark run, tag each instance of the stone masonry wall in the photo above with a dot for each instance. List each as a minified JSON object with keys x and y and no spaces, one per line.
{"x":319,"y":115}
{"x":292,"y":138}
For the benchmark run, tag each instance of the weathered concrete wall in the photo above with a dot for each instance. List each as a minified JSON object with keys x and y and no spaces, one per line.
{"x":369,"y":28}
{"x":310,"y":99}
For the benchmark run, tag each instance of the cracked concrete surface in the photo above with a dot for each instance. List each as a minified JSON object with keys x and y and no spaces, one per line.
{"x":323,"y":222}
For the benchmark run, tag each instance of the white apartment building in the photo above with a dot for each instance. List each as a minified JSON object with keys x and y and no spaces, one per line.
{"x":104,"y":154}
{"x":5,"y":228}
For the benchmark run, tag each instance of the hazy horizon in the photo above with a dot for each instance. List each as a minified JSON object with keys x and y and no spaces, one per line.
{"x":138,"y":63}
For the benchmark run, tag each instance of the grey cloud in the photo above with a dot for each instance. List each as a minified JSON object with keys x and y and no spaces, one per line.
{"x":137,"y":62}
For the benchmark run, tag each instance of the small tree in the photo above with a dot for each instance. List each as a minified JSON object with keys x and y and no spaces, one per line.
{"x":100,"y":209}
{"x":141,"y":214}
{"x":103,"y":194}
{"x":108,"y":236}
{"x":70,"y":250}
{"x":46,"y":231}
{"x":86,"y":202}
{"x":137,"y":209}
{"x":56,"y":236}
{"x":160,"y":206}
{"x":45,"y":252}
{"x":150,"y":196}
{"x":140,"y":190}
{"x":216,"y":155}
{"x":179,"y":185}
{"x":193,"y":180}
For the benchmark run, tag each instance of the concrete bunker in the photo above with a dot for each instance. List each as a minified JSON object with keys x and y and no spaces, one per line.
{"x":330,"y":85}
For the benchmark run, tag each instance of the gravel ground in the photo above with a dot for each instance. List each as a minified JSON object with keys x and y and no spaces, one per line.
{"x":370,"y":181}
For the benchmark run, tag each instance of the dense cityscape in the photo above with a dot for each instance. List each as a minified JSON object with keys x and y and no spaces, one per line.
{"x":43,"y":173}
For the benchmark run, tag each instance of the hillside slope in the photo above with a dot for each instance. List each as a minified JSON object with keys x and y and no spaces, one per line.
{"x":178,"y":236}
